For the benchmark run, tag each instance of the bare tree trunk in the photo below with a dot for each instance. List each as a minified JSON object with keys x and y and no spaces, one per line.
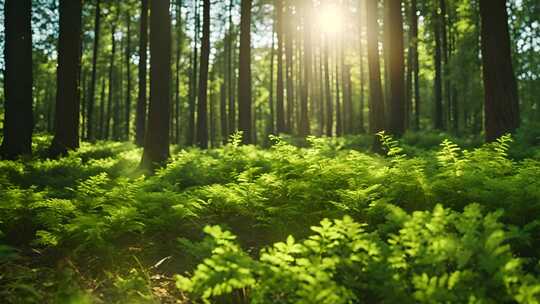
{"x":396,"y":68}
{"x":304,"y":128}
{"x":193,"y":87}
{"x":500,"y":88}
{"x":202,"y":104}
{"x":90,"y":132}
{"x":280,"y":107}
{"x":18,"y":119}
{"x":244,"y":78}
{"x":376,"y":101}
{"x":156,"y":145}
{"x":127,"y":126}
{"x":438,"y":119}
{"x":329,"y":102}
{"x":66,"y":131}
{"x":140,"y":126}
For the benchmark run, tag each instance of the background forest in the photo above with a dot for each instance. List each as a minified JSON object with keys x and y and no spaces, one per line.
{"x":270,"y":151}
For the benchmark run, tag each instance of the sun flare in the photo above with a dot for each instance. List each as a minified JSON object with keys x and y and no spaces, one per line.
{"x":330,"y":19}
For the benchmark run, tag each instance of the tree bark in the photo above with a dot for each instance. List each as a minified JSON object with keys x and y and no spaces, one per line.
{"x":289,"y":38}
{"x":244,"y":77}
{"x":438,"y":119}
{"x":18,"y":119}
{"x":177,"y":64}
{"x":140,"y":125}
{"x":66,"y":131}
{"x":231,"y":74}
{"x":280,"y":89}
{"x":396,"y":69}
{"x":376,"y":102}
{"x":202,"y":105}
{"x":328,"y":90}
{"x":304,"y":128}
{"x":415,"y":63}
{"x":127,"y":125}
{"x":500,"y":88}
{"x":190,"y":139}
{"x":90,"y":125}
{"x":156,"y":145}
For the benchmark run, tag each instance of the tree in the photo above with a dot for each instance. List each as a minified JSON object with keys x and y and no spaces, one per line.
{"x":140,"y":124}
{"x":501,"y":102}
{"x":329,"y":102}
{"x":202,"y":105}
{"x":66,"y":130}
{"x":18,"y":119}
{"x":90,"y":132}
{"x":156,"y":142}
{"x":280,"y":89}
{"x":413,"y":50}
{"x":438,"y":119}
{"x":376,"y":102}
{"x":303,"y":126}
{"x":396,"y":69}
{"x":127,"y":109}
{"x":244,"y":76}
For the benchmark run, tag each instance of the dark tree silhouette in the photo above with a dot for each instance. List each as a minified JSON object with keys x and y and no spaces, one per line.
{"x":500,"y":89}
{"x":90,"y":125}
{"x":66,"y":130}
{"x":202,"y":105}
{"x":18,"y":119}
{"x":156,"y":142}
{"x":396,"y":69}
{"x":244,"y":77}
{"x":140,"y":124}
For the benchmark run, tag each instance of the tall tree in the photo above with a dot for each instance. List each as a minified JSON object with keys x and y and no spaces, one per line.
{"x":413,"y":49}
{"x":303,"y":126}
{"x":18,"y":79}
{"x":244,"y":76}
{"x":329,"y":102}
{"x":376,"y":101}
{"x":156,"y":142}
{"x":90,"y":125}
{"x":230,"y":72}
{"x":289,"y":69}
{"x":280,"y":90}
{"x":140,"y":124}
{"x":179,"y":36}
{"x":127,"y":109}
{"x":396,"y":69}
{"x":438,"y":120}
{"x":190,"y":139}
{"x":112,"y":84}
{"x":501,"y":102}
{"x":66,"y":127}
{"x":202,"y":105}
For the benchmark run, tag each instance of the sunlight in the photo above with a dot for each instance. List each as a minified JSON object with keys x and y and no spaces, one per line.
{"x":330,"y":19}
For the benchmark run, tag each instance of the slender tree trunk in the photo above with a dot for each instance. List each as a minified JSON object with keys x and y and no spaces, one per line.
{"x":102,"y":102}
{"x":361,"y":127}
{"x":339,"y":117}
{"x":84,"y":100}
{"x":90,"y":125}
{"x":289,"y":69}
{"x":156,"y":144}
{"x":18,"y":119}
{"x":140,"y":125}
{"x":415,"y":63}
{"x":304,"y":128}
{"x":127,"y":125}
{"x":328,"y":90}
{"x":244,"y":78}
{"x":500,"y":88}
{"x":66,"y":131}
{"x":270,"y":120}
{"x":202,"y":105}
{"x":438,"y":119}
{"x":230,"y":73}
{"x":396,"y":69}
{"x":280,"y":107}
{"x":445,"y":61}
{"x":194,"y":77}
{"x":376,"y":101}
{"x":177,"y":64}
{"x":112,"y":85}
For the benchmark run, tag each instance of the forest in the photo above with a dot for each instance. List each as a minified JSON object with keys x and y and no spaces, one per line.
{"x":270,"y":151}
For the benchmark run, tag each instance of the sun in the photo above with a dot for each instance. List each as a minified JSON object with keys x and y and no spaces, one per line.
{"x":330,"y":19}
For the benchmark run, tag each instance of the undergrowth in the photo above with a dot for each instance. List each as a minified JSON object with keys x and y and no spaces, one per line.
{"x":459,"y":223}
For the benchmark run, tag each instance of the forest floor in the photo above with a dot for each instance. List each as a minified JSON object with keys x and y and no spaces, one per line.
{"x":443,"y":221}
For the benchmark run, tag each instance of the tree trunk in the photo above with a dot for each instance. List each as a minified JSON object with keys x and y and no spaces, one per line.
{"x":415,"y":63}
{"x":328,"y":90}
{"x":18,"y":119}
{"x":396,"y":68}
{"x":66,"y":131}
{"x":177,"y":64}
{"x":304,"y":128}
{"x":280,"y":107}
{"x":289,"y":69}
{"x":376,"y":102}
{"x":190,"y":139}
{"x":438,"y":120}
{"x":156,"y":143}
{"x":90,"y":125}
{"x":202,"y":105}
{"x":500,"y":89}
{"x":244,"y":77}
{"x":127,"y":109}
{"x":339,"y":120}
{"x":140,"y":126}
{"x":231,"y":74}
{"x":270,"y":120}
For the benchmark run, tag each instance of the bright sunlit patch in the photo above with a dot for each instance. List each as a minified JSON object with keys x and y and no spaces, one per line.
{"x":330,"y":19}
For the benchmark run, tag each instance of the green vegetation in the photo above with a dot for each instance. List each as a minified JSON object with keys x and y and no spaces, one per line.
{"x":327,"y":223}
